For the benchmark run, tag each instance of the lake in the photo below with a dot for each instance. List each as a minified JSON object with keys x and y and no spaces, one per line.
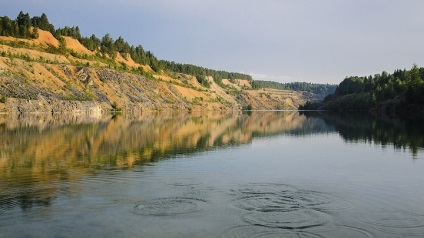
{"x":261,"y":174}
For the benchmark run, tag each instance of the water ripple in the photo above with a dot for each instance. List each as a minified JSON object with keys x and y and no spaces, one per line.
{"x":168,"y":206}
{"x":287,"y":207}
{"x":296,"y":219}
{"x":342,"y":231}
{"x":329,"y":231}
{"x":281,"y":198}
{"x":187,"y":182}
{"x":396,"y":222}
{"x":258,"y":231}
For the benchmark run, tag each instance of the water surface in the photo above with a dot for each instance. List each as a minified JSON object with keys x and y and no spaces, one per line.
{"x":267,"y":174}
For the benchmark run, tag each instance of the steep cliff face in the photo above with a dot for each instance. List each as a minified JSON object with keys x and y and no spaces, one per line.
{"x":33,"y":80}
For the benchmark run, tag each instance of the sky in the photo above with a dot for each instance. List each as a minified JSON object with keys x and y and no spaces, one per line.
{"x":318,"y":41}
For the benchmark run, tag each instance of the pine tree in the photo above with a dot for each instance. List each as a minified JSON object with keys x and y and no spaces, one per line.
{"x":107,"y":46}
{"x":24,"y":24}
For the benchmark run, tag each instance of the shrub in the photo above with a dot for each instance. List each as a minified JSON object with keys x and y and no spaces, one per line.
{"x":3,"y":99}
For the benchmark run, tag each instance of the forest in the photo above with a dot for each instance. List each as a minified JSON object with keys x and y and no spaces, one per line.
{"x":401,"y":91}
{"x":26,"y":27}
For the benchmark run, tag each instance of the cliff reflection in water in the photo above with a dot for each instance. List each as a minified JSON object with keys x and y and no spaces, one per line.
{"x":39,"y":151}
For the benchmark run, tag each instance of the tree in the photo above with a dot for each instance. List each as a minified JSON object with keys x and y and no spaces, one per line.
{"x":415,"y":75}
{"x":92,"y":43}
{"x":24,"y":24}
{"x":73,"y":32}
{"x":62,"y":45}
{"x":7,"y":27}
{"x":122,"y":46}
{"x":201,"y":78}
{"x":415,"y":86}
{"x":107,"y":46}
{"x":77,"y":34}
{"x":42,"y":23}
{"x":34,"y":34}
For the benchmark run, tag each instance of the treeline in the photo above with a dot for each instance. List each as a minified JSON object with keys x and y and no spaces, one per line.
{"x":402,"y":90}
{"x":26,"y":27}
{"x":21,"y":26}
{"x":321,"y":89}
{"x":201,"y":73}
{"x":385,"y":86}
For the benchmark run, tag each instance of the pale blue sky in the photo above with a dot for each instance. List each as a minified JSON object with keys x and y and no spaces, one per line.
{"x":280,"y":40}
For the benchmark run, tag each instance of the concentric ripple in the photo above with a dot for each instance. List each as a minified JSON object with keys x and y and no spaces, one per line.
{"x":332,"y":231}
{"x":296,"y":219}
{"x":343,"y":231}
{"x":184,"y":184}
{"x":282,"y":198}
{"x":286,"y":207}
{"x":396,"y":222}
{"x":258,"y":231}
{"x":255,"y":231}
{"x":168,"y":206}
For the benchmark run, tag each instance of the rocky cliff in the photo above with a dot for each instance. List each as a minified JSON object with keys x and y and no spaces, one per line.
{"x":34,"y":80}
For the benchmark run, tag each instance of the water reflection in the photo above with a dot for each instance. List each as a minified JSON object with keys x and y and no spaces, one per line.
{"x":36,"y":151}
{"x":46,"y":142}
{"x":405,"y":133}
{"x":70,"y":172}
{"x":49,"y":145}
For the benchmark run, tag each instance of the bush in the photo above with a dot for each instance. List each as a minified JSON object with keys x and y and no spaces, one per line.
{"x":247,"y":108}
{"x":115,"y":107}
{"x":203,"y":80}
{"x":3,"y":99}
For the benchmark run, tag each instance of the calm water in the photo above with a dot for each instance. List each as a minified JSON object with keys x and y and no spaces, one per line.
{"x":267,"y":174}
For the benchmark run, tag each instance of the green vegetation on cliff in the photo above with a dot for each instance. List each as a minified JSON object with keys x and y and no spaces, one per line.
{"x":26,"y":27}
{"x":43,"y":68}
{"x":107,"y":46}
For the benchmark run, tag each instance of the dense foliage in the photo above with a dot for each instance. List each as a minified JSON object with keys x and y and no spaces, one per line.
{"x":387,"y":86}
{"x":394,"y":91}
{"x":21,"y":27}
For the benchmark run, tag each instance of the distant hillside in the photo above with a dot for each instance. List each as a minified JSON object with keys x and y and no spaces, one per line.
{"x":320,"y":90}
{"x":397,"y":93}
{"x":55,"y":70}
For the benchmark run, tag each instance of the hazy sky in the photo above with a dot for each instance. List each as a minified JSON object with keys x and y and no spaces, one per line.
{"x":280,"y":40}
